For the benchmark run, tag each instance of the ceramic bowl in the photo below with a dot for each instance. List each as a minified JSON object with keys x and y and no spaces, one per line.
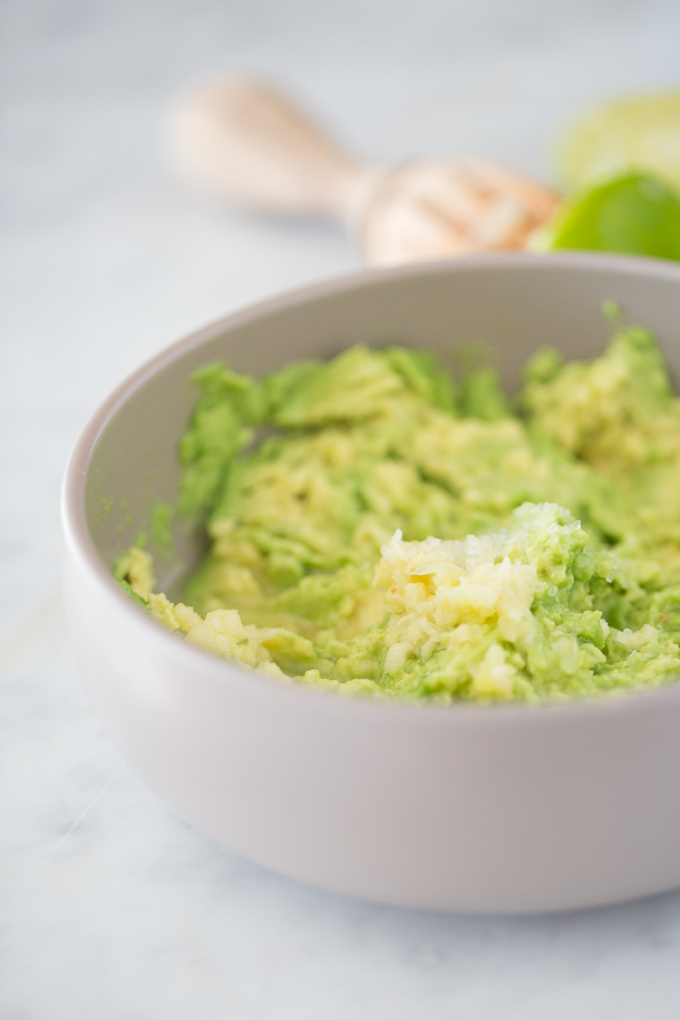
{"x":467,"y":808}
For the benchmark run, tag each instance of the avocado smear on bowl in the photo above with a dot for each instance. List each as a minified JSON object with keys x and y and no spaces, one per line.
{"x":392,"y":534}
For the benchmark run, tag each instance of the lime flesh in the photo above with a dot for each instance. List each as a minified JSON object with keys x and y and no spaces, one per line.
{"x":641,"y":133}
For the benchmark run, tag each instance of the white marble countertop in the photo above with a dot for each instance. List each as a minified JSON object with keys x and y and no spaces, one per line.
{"x":113,"y":908}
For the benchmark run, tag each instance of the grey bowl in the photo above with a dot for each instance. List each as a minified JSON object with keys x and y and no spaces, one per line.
{"x":463,"y":808}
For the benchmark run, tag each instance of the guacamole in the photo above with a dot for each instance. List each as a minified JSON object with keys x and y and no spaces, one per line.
{"x":378,"y":528}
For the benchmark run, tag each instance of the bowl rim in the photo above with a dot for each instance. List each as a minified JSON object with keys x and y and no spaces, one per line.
{"x":80,"y":545}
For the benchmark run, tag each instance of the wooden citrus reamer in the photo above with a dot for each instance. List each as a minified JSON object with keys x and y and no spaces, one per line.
{"x":238,"y":141}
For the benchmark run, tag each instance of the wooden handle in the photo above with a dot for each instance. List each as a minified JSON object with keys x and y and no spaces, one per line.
{"x":239,"y":141}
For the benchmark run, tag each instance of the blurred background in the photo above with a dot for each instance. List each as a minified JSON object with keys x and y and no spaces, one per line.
{"x":105,"y":259}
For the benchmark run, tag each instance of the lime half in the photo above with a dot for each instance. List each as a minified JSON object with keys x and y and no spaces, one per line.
{"x":640,"y":133}
{"x":635,"y":213}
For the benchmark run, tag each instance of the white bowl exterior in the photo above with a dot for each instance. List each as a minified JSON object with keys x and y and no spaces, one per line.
{"x":468,"y":808}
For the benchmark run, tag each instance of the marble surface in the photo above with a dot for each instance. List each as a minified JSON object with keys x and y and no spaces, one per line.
{"x":112,"y":907}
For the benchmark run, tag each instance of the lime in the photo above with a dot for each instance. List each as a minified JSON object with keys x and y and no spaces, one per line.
{"x":634,"y":213}
{"x":641,"y":133}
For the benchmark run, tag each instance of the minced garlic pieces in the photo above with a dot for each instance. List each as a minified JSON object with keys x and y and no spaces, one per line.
{"x":494,"y":676}
{"x":436,"y":588}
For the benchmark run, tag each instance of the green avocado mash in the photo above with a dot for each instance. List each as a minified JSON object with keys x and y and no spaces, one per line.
{"x":394,"y":534}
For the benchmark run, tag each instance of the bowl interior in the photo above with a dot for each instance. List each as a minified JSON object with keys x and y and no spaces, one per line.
{"x":513,"y":303}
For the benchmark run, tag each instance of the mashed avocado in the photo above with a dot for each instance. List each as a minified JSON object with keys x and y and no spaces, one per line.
{"x":376,"y":529}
